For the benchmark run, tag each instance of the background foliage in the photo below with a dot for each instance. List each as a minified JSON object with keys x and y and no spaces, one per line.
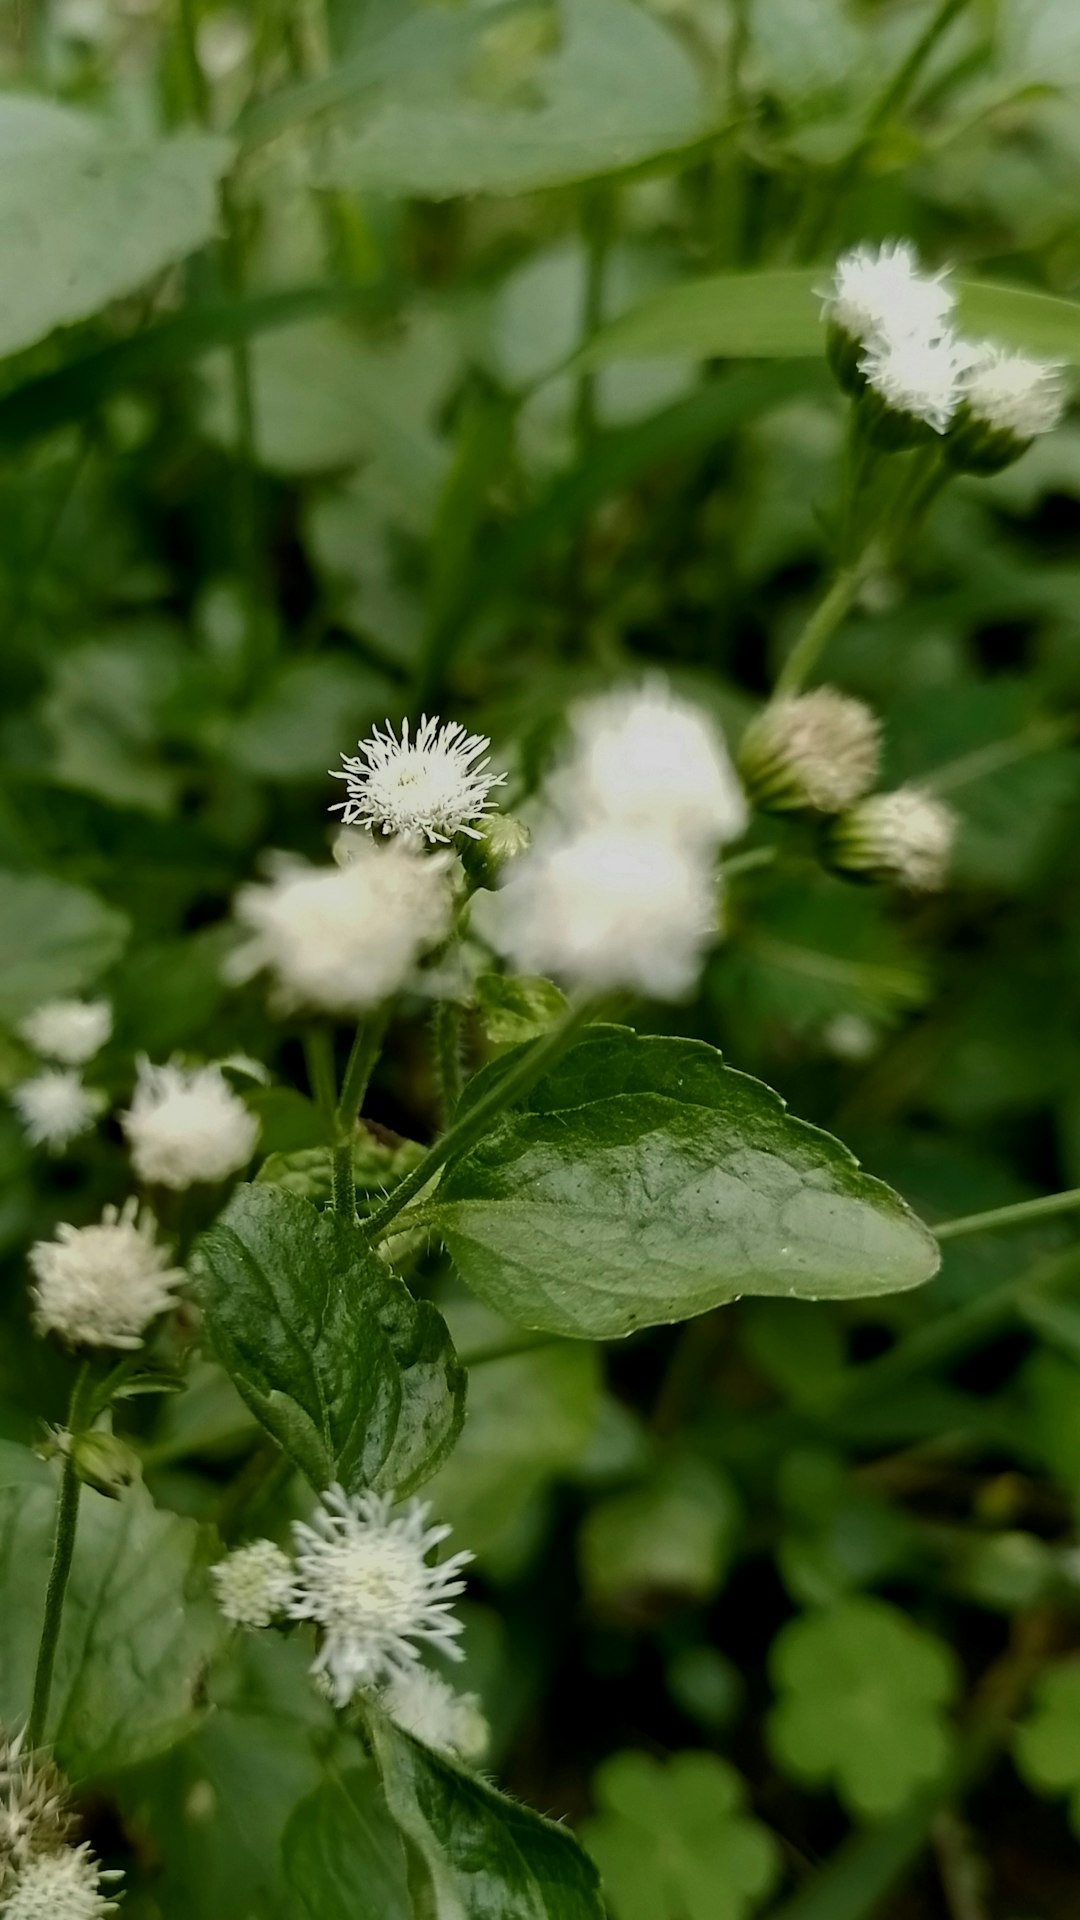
{"x":297,"y":432}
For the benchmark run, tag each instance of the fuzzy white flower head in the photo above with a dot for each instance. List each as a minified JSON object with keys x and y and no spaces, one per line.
{"x":186,"y":1124}
{"x":1013,"y":394}
{"x":819,"y":749}
{"x":917,"y":376}
{"x":644,"y":759}
{"x":101,"y":1286}
{"x":423,"y":1704}
{"x":253,"y":1584}
{"x":432,"y":786}
{"x":35,"y":1815}
{"x":55,"y":1107}
{"x":66,"y":1885}
{"x":905,"y":836}
{"x":343,"y":938}
{"x":606,"y":909}
{"x":876,"y":289}
{"x":364,"y":1577}
{"x":70,"y":1031}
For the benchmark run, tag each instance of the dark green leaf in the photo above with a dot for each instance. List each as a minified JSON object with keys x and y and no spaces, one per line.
{"x":644,"y":1181}
{"x":54,"y":939}
{"x":355,"y":1380}
{"x":343,"y":1858}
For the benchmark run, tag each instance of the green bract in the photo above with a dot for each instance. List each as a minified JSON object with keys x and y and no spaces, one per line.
{"x":645,"y":1181}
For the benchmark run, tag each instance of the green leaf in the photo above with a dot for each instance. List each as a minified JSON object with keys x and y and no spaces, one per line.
{"x":862,"y":1703}
{"x":644,"y":1182}
{"x":674,"y":1535}
{"x":777,"y":313}
{"x":481,"y":1856}
{"x":86,"y":216}
{"x":445,"y":102}
{"x":356,"y":1381}
{"x":673,"y":1842}
{"x":514,"y":1008}
{"x":303,"y":713}
{"x":1048,"y":1741}
{"x":139,"y":1627}
{"x":55,"y":939}
{"x":342,"y":1856}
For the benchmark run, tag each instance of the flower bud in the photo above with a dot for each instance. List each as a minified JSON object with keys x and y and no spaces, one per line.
{"x":904,"y":837}
{"x":913,"y":388}
{"x":1008,"y":400}
{"x":104,"y":1461}
{"x":816,"y":750}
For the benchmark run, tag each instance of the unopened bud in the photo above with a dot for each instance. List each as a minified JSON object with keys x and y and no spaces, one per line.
{"x":104,"y":1461}
{"x":904,"y":837}
{"x":815,"y":750}
{"x":1008,"y":401}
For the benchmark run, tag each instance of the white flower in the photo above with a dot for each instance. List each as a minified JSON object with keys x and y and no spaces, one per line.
{"x":818,"y":749}
{"x":607,"y":908}
{"x":423,"y":1704}
{"x":434,"y":785}
{"x":642,"y":758}
{"x":101,"y":1286}
{"x":916,"y":375}
{"x":363,"y":1576}
{"x":1013,"y":394}
{"x":905,"y":836}
{"x":35,"y":1816}
{"x":55,"y":1107}
{"x":341,"y":939}
{"x":186,"y":1124}
{"x":66,"y":1885}
{"x":70,"y":1031}
{"x":876,"y":289}
{"x":253,"y":1584}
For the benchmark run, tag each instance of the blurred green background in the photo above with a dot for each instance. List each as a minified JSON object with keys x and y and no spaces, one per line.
{"x":779,"y":1608}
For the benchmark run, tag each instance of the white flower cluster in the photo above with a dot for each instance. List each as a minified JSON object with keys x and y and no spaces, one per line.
{"x":100,"y":1286}
{"x":818,"y":750}
{"x":430,"y":787}
{"x":54,"y":1105}
{"x":890,"y":331}
{"x":42,"y":1875}
{"x":363,"y":1575}
{"x":905,"y":837}
{"x":619,"y":888}
{"x":186,"y":1124}
{"x":342,"y":939}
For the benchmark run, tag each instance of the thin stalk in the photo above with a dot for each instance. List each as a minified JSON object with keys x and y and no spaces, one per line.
{"x":319,"y":1060}
{"x":446,"y":1039}
{"x":366,"y":1048}
{"x":1019,"y":1214}
{"x":820,"y":628}
{"x":475,"y":1123}
{"x":67,"y":1519}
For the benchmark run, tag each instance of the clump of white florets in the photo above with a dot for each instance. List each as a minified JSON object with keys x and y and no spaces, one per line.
{"x":69,"y":1031}
{"x":42,"y":1875}
{"x":100,"y":1286}
{"x":917,"y":382}
{"x":619,"y":887}
{"x":425,"y":1706}
{"x":253,"y":1584}
{"x":818,"y":750}
{"x":364,"y":1576}
{"x":186,"y":1124}
{"x":1008,"y":400}
{"x":343,"y":938}
{"x":882,"y":289}
{"x":66,"y":1885}
{"x":431,"y":786}
{"x":905,"y":837}
{"x":55,"y":1107}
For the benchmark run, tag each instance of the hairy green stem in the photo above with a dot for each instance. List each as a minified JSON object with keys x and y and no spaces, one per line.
{"x":319,"y":1061}
{"x":1017,"y":1215}
{"x":366,"y":1048}
{"x":820,"y":627}
{"x":446,"y":1038}
{"x":473,"y":1125}
{"x":67,"y":1519}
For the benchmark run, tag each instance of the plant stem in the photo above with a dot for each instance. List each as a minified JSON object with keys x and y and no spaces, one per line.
{"x":319,"y":1060}
{"x":820,"y":627}
{"x":446,"y":1037}
{"x":67,"y":1517}
{"x":366,"y":1048}
{"x":1016,"y":1215}
{"x":466,"y":1131}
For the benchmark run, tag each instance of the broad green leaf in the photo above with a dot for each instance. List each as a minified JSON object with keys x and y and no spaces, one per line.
{"x":377,"y":1167}
{"x":673,"y":1535}
{"x":342,"y":1856}
{"x":673,"y":1841}
{"x":482,"y":1856}
{"x":777,"y":313}
{"x":54,"y":939}
{"x":303,"y":715}
{"x":356,"y":1381}
{"x":514,"y":1008}
{"x":863,"y":1693}
{"x":644,"y":1181}
{"x":87,"y":215}
{"x":1048,"y":1741}
{"x":139,"y":1627}
{"x":468,"y":100}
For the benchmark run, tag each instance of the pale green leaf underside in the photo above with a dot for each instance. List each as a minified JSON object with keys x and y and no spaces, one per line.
{"x":645,"y":1182}
{"x":777,"y":315}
